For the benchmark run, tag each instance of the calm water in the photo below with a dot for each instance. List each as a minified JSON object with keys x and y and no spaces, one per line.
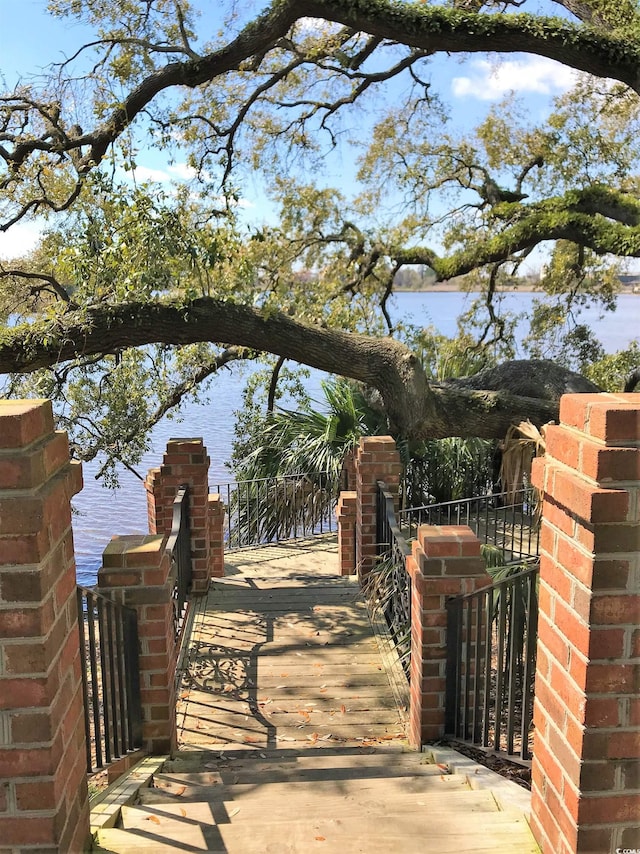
{"x":103,"y":513}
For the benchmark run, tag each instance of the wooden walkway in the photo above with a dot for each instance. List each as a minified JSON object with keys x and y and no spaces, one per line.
{"x":283,"y":651}
{"x":291,"y":739}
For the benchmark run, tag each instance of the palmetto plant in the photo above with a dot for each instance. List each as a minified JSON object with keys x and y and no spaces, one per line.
{"x":291,"y":479}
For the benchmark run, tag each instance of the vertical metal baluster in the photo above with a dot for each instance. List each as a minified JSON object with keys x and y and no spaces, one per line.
{"x":105,"y":680}
{"x":478,"y":674}
{"x":134,"y":705}
{"x":124,"y":735}
{"x":467,"y":668}
{"x":514,"y":616}
{"x":95,"y":682}
{"x":486,"y":537}
{"x":83,"y":663}
{"x":112,"y":680}
{"x":521,"y":521}
{"x":529,"y":662}
{"x":488,"y":650}
{"x":500,"y":661}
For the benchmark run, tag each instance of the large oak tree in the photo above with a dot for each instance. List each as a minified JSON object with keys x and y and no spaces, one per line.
{"x":271,"y":94}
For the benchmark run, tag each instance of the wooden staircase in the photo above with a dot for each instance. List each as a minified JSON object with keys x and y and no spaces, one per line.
{"x":372,"y":799}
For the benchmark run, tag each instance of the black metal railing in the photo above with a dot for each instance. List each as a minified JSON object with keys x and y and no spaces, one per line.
{"x":508,"y":521}
{"x":110,"y":678}
{"x":491,"y":662}
{"x":179,"y":547}
{"x":275,"y":509}
{"x":389,"y":583}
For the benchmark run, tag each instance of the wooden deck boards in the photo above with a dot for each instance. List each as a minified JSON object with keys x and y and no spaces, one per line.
{"x":285,"y":656}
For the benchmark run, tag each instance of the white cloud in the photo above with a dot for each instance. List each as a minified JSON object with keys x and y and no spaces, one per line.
{"x":143,"y":173}
{"x":182,"y":171}
{"x":493,"y":81}
{"x":19,"y":239}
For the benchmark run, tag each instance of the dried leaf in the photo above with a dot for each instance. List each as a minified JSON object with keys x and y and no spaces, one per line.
{"x":153,"y":818}
{"x":183,"y":812}
{"x":184,"y":695}
{"x":343,"y":708}
{"x":180,"y":791}
{"x":249,"y":739}
{"x":320,"y":839}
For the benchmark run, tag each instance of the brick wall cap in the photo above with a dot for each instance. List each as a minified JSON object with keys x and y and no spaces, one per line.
{"x":135,"y":543}
{"x":24,"y":421}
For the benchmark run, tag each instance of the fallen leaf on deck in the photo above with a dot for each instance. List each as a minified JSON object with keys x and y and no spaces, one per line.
{"x":343,"y":708}
{"x":153,"y":818}
{"x":183,"y":812}
{"x":320,"y":839}
{"x":180,"y":791}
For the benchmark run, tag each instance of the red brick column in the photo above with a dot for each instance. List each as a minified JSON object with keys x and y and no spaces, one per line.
{"x":586,"y":787}
{"x":185,"y":462}
{"x":136,"y":571}
{"x":216,"y":535}
{"x":346,"y":516}
{"x":44,"y":802}
{"x":445,"y":562}
{"x":376,"y":459}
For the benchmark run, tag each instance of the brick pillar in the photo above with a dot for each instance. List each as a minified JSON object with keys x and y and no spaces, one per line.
{"x":445,"y":562}
{"x":185,"y":461}
{"x":346,"y":515}
{"x":216,"y":535}
{"x":44,"y":803}
{"x":585,"y":775}
{"x":376,"y":459}
{"x":136,"y":571}
{"x":348,"y":472}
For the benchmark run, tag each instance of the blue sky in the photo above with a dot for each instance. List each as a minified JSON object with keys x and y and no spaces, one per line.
{"x":30,"y":40}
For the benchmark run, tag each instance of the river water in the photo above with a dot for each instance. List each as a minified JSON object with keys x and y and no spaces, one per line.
{"x":102,"y":513}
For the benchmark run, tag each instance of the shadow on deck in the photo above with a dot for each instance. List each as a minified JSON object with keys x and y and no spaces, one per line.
{"x":282,"y":651}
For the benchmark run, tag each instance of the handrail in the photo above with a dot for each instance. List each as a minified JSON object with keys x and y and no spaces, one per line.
{"x":179,"y":548}
{"x":391,"y":583}
{"x":390,"y":521}
{"x":110,"y":677}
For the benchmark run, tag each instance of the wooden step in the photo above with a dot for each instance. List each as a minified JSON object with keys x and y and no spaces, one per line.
{"x":343,"y":784}
{"x":270,"y":810}
{"x":432,"y":828}
{"x":301,"y":769}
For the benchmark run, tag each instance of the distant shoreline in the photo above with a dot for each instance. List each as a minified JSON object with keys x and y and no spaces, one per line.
{"x":451,"y":287}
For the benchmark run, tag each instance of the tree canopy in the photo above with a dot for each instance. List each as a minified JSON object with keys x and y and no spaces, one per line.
{"x":132,"y":288}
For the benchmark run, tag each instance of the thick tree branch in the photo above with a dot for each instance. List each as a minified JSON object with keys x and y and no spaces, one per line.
{"x":414,"y":409}
{"x":427,"y":28}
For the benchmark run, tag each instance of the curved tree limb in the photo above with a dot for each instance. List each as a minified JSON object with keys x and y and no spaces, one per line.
{"x":414,"y":408}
